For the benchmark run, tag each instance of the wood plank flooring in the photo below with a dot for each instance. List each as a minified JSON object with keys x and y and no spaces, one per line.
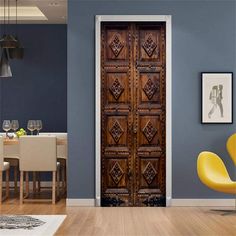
{"x":93,"y":221}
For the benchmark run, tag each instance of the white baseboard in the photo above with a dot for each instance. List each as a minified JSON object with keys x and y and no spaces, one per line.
{"x":168,"y":201}
{"x":80,"y":202}
{"x":98,"y":202}
{"x":203,"y":202}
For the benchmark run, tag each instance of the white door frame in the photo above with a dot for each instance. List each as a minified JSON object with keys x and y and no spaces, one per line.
{"x":134,"y":18}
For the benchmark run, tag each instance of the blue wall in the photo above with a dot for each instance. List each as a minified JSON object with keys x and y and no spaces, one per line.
{"x":38,"y":88}
{"x":204,"y":39}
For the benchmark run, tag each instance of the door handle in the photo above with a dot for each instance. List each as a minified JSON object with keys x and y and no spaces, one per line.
{"x":131,"y":128}
{"x":129,"y":174}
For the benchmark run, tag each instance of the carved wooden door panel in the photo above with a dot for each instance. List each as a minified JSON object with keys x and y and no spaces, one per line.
{"x":149,"y":144}
{"x":116,"y":114}
{"x":133,"y":114}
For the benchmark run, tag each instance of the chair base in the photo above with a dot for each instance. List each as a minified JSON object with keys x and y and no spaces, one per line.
{"x":225,"y":212}
{"x":55,"y":188}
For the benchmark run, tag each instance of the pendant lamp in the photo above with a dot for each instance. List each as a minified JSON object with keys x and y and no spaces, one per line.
{"x":8,"y":40}
{"x":5,"y":69}
{"x":18,"y":51}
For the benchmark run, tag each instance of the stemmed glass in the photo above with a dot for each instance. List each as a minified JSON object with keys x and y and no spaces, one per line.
{"x":15,"y":125}
{"x":31,"y":126}
{"x":39,"y":126}
{"x":6,"y":126}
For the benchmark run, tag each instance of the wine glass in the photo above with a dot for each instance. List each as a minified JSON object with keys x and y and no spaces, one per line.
{"x":15,"y":125}
{"x":39,"y":125}
{"x":31,"y":126}
{"x":6,"y":126}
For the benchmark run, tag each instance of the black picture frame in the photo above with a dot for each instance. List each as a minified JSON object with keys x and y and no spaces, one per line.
{"x":216,"y":100}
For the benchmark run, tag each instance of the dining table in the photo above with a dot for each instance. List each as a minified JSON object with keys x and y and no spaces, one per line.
{"x":14,"y":162}
{"x":15,"y":141}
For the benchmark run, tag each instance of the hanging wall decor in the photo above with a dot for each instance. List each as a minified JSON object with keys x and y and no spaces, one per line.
{"x":217,"y":97}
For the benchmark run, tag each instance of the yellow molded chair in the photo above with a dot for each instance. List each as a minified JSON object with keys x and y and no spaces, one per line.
{"x":231,"y":147}
{"x":212,"y":172}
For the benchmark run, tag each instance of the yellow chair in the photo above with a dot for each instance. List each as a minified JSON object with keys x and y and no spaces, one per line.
{"x":212,"y":172}
{"x":231,"y":147}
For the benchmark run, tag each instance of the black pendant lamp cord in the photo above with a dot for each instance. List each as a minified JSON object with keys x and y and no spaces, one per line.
{"x":4,"y":29}
{"x":8,"y":26}
{"x":8,"y":12}
{"x":16,"y":20}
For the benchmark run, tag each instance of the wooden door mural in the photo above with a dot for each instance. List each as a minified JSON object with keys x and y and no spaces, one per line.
{"x":133,"y":114}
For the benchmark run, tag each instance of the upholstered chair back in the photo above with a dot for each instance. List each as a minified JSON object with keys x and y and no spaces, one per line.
{"x":1,"y":153}
{"x":38,"y":153}
{"x":61,"y":149}
{"x":11,"y":151}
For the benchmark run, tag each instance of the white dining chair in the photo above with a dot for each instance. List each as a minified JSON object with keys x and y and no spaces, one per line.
{"x":38,"y":154}
{"x":4,"y":167}
{"x":11,"y":155}
{"x":62,"y":154}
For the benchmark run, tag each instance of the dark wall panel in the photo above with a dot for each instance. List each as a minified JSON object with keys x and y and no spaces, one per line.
{"x":38,"y":88}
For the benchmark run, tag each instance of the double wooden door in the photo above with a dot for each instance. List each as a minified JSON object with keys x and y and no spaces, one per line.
{"x":133,"y":114}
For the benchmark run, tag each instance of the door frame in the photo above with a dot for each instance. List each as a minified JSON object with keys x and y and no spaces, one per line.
{"x":133,"y":18}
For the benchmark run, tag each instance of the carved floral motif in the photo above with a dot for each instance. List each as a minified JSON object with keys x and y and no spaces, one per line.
{"x":112,"y":201}
{"x":149,"y":173}
{"x":149,"y":131}
{"x":116,"y":131}
{"x":116,"y":173}
{"x":116,"y":44}
{"x":116,"y":89}
{"x":150,"y":88}
{"x":155,"y":201}
{"x":149,"y":45}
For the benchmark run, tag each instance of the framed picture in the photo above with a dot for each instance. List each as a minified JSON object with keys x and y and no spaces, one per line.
{"x":217,"y":97}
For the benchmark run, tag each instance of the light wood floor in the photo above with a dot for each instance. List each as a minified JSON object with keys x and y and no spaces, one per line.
{"x":174,"y":221}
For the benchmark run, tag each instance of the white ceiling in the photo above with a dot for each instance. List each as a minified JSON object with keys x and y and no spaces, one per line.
{"x":54,"y":10}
